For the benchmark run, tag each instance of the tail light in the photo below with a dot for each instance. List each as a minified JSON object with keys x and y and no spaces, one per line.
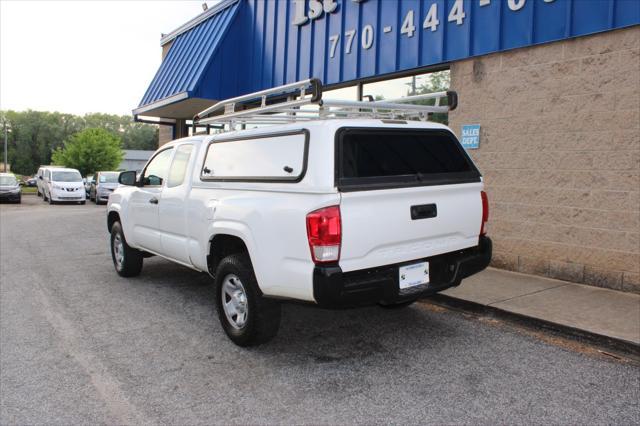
{"x":485,"y":212}
{"x":325,"y":234}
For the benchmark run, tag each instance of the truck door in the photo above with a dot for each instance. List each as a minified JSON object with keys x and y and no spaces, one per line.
{"x":173,"y":206}
{"x":144,"y":202}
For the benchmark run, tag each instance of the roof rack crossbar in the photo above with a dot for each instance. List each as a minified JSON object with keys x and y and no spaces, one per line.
{"x":286,"y":104}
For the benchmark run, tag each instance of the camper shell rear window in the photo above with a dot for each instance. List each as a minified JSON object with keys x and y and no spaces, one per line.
{"x":373,"y":158}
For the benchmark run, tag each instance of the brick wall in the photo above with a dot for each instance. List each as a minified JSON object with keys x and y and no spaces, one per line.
{"x":560,"y":153}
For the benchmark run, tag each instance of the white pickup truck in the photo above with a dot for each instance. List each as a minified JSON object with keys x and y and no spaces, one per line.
{"x":336,"y":212}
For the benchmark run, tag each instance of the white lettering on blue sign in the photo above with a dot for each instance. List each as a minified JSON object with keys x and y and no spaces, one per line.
{"x":316,"y":8}
{"x":309,"y":10}
{"x":470,"y":136}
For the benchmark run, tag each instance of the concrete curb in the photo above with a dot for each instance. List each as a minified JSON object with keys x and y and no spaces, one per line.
{"x":614,"y":344}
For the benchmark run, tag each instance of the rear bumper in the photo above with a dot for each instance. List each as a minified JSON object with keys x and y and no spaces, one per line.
{"x":333,"y":288}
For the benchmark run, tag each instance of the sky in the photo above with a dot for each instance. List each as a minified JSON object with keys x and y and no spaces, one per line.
{"x":83,"y":56}
{"x":95,"y":56}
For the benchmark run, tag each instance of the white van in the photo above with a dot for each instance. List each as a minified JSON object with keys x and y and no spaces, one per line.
{"x":63,"y":185}
{"x":40,"y":180}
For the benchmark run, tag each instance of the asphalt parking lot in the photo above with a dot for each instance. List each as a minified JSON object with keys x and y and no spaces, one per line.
{"x":78,"y":344}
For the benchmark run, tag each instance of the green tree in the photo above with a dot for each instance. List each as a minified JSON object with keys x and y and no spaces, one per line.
{"x":36,"y":135}
{"x":89,"y":151}
{"x":140,"y":136}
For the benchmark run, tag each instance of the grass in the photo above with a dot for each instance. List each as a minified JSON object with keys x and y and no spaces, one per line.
{"x":29,"y":189}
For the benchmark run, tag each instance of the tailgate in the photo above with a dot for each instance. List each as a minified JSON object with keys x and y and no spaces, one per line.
{"x":378,"y":228}
{"x":406,"y":193}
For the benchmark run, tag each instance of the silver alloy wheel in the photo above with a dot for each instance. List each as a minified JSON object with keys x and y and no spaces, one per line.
{"x":118,"y":251}
{"x":234,"y":301}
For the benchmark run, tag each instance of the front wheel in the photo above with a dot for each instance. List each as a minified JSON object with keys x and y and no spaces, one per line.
{"x":127,"y":260}
{"x":246,"y":317}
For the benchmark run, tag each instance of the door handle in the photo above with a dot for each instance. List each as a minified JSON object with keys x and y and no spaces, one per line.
{"x":424,"y":211}
{"x":154,"y":200}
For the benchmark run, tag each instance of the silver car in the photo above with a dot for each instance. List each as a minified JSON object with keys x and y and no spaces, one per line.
{"x":102,"y":186}
{"x":9,"y":188}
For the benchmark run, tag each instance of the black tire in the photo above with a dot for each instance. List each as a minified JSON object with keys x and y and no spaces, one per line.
{"x":44,"y":197}
{"x":263,"y":315}
{"x":51,"y":202}
{"x":131,"y":263}
{"x":83,"y":203}
{"x":400,"y":305}
{"x":38,"y":194}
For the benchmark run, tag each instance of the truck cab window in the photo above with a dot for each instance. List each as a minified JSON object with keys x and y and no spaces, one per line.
{"x":156,"y":171}
{"x":179,"y":165}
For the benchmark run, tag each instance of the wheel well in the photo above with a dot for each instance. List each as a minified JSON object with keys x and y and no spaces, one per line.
{"x":221,"y":246}
{"x":111,"y":219}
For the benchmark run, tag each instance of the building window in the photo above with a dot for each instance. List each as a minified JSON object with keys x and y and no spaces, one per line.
{"x":408,"y":86}
{"x":346,"y":93}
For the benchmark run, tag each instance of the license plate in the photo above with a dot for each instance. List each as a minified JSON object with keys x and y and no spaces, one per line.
{"x":413,"y":275}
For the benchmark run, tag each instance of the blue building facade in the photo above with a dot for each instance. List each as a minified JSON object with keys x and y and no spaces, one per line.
{"x":242,"y":46}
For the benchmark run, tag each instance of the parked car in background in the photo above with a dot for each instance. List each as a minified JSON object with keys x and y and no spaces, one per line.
{"x":40,"y":180}
{"x":31,"y":182}
{"x":63,"y":185}
{"x":9,"y":188}
{"x":102,"y":186}
{"x":87,"y":184}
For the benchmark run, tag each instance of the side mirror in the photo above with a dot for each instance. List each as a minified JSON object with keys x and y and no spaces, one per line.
{"x":127,"y":178}
{"x":40,"y":177}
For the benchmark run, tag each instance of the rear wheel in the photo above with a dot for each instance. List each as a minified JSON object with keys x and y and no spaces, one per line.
{"x":246,"y":317}
{"x":126,"y":260}
{"x":50,"y":200}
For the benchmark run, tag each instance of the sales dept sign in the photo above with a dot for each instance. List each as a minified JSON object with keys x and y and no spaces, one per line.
{"x":471,"y":136}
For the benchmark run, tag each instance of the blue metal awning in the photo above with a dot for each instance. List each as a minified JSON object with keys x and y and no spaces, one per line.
{"x":188,"y":59}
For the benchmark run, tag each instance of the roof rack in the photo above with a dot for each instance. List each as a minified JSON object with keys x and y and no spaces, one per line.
{"x":302,"y":101}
